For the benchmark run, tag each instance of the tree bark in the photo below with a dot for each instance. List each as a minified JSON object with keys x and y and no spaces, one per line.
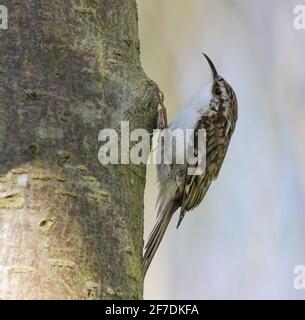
{"x":70,"y":228}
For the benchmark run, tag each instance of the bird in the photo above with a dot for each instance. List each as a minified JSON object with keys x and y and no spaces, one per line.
{"x":214,"y":110}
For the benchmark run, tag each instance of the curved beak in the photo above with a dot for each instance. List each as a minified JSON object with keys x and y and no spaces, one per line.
{"x":213,"y":69}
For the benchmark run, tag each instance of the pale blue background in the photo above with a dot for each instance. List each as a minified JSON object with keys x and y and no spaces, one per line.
{"x":248,"y":234}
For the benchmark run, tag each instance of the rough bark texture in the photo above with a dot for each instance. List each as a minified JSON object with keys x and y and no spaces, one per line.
{"x":70,"y":228}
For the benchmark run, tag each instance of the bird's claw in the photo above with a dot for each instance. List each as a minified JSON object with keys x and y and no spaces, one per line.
{"x":162,"y":113}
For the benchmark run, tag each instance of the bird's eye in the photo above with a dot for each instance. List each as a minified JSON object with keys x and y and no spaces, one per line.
{"x":218,"y":92}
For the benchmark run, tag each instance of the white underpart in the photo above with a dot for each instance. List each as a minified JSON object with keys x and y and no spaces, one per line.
{"x":189,"y":115}
{"x":186,"y":118}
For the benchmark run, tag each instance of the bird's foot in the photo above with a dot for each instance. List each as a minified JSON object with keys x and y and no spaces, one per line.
{"x":162,"y":113}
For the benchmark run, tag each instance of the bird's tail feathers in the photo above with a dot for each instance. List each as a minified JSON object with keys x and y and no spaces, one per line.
{"x":157,"y":234}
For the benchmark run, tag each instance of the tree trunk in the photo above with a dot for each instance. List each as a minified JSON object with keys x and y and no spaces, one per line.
{"x":70,"y":228}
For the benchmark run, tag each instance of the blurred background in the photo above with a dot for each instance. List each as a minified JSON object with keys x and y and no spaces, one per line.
{"x":245,"y":238}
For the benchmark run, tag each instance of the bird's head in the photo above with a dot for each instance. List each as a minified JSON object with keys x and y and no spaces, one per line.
{"x":223,"y":96}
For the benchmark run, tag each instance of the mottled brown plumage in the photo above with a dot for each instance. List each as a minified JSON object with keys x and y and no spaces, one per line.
{"x":177,"y":188}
